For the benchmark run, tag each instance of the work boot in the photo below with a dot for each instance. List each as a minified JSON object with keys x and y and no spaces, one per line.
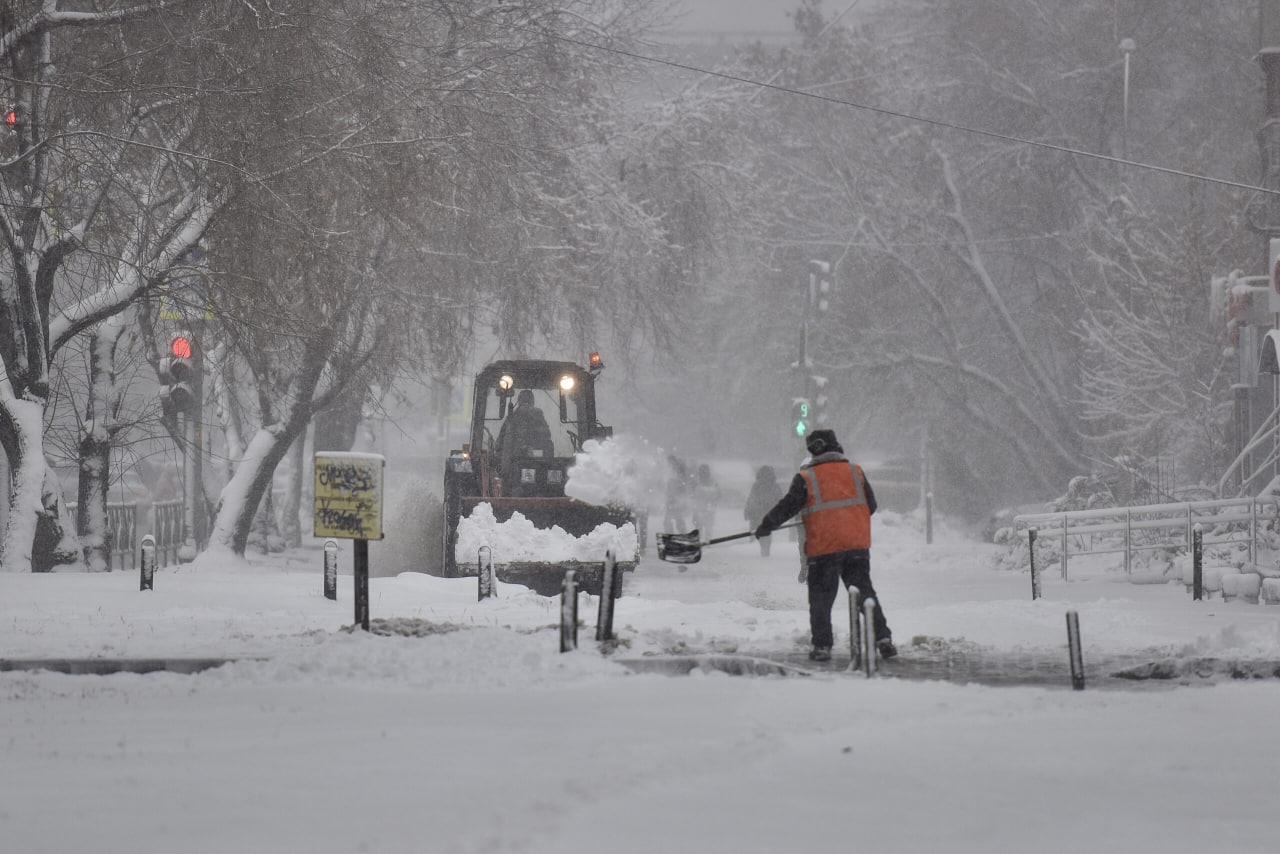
{"x":886,"y":648}
{"x":820,"y":653}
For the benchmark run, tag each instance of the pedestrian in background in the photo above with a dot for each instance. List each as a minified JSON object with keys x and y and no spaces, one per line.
{"x":706,"y":498}
{"x":679,"y":495}
{"x":835,"y":503}
{"x":765,"y":492}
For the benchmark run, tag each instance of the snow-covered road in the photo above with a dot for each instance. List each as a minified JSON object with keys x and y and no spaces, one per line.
{"x":477,"y":735}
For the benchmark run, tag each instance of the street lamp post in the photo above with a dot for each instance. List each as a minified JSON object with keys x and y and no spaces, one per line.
{"x":1127,"y":47}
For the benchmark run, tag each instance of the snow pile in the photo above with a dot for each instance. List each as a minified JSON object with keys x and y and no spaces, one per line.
{"x":623,"y":470}
{"x":518,"y":540}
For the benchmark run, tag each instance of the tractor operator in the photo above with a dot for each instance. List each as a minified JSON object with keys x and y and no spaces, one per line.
{"x":523,"y":433}
{"x":835,"y":502}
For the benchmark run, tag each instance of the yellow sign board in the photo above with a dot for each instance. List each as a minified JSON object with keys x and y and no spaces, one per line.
{"x":349,"y":495}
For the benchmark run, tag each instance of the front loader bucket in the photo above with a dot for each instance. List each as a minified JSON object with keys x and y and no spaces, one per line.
{"x":575,"y":518}
{"x":547,"y":579}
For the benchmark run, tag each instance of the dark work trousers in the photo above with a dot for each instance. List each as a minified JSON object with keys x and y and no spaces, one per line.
{"x":825,"y":574}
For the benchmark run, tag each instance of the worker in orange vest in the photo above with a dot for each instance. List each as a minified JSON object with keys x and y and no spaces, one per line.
{"x":835,"y":502}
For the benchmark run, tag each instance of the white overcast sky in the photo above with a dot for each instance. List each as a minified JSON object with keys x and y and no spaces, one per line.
{"x":736,"y":15}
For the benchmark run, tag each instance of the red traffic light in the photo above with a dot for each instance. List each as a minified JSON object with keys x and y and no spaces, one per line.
{"x":11,"y":117}
{"x":181,"y":347}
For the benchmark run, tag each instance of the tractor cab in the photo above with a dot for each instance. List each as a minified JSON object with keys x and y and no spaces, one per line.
{"x":529,"y":419}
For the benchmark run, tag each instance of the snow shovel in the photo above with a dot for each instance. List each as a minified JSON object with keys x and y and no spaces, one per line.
{"x":687,"y":548}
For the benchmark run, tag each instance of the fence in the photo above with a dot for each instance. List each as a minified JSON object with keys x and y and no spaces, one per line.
{"x":125,"y":538}
{"x":1126,"y":530}
{"x":166,"y":526}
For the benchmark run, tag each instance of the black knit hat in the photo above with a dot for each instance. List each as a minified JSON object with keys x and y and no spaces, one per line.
{"x":822,"y":442}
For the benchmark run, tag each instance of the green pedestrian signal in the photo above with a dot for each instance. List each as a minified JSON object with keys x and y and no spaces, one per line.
{"x":800,"y":417}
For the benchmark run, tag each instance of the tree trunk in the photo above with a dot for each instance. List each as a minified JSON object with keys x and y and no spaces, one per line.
{"x":95,"y":447}
{"x":291,"y":524}
{"x":336,"y":427}
{"x":91,"y":501}
{"x":35,"y":536}
{"x":250,"y":483}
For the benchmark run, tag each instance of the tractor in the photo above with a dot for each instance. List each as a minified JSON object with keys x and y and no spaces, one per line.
{"x":528,"y":420}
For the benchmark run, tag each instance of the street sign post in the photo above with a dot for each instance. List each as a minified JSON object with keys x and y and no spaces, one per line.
{"x":348,"y":504}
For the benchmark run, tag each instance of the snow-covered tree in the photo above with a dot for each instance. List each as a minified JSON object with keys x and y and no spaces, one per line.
{"x":69,"y":153}
{"x":971,"y":268}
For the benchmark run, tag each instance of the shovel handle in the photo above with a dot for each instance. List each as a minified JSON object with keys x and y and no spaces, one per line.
{"x":748,"y":534}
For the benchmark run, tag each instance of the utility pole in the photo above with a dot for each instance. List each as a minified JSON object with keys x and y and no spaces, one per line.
{"x":1269,"y":144}
{"x":816,"y":303}
{"x":1127,"y":46}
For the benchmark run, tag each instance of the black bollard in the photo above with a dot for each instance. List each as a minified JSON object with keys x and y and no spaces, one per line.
{"x":1197,"y":563}
{"x":484,"y":574}
{"x":1035,"y":575}
{"x":148,"y":563}
{"x":609,"y":590}
{"x":855,"y":629}
{"x":331,"y":569}
{"x":1073,"y":646}
{"x":569,"y":612}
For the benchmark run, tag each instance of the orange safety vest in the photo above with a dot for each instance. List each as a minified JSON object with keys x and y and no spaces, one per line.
{"x":836,"y":516}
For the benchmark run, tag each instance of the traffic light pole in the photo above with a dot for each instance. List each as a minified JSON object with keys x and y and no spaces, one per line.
{"x":184,"y":381}
{"x":815,"y":303}
{"x":805,"y":364}
{"x":199,"y":510}
{"x":190,"y":467}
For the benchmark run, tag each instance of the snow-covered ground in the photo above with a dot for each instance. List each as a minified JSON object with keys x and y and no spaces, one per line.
{"x":470,"y":732}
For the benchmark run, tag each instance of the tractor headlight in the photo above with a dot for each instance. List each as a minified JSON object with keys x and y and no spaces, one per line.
{"x":555,"y":476}
{"x":506,"y":382}
{"x":566,"y":383}
{"x":528,"y":475}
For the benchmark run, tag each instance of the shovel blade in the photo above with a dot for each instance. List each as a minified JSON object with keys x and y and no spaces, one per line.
{"x":680,"y":548}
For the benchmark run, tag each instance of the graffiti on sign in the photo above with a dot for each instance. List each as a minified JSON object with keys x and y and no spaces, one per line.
{"x":349,"y":496}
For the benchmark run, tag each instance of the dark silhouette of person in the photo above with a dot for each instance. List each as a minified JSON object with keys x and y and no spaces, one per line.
{"x":524,"y":434}
{"x":765,"y":492}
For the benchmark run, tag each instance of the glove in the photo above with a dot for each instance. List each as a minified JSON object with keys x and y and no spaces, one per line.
{"x":762,"y":532}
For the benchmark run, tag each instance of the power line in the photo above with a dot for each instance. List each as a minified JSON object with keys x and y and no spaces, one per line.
{"x":1064,"y":149}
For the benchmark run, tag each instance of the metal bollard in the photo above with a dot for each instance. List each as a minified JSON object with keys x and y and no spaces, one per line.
{"x":484,"y":574}
{"x":148,"y":563}
{"x":855,"y":629}
{"x":1197,"y":563}
{"x":869,"y":638}
{"x":1073,"y":646}
{"x":569,"y":612}
{"x":331,"y":569}
{"x":928,"y":518}
{"x":609,"y":591}
{"x":1035,"y":575}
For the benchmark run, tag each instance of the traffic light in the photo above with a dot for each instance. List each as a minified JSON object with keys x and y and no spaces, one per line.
{"x":800,"y":416}
{"x":177,"y":374}
{"x":819,"y":408}
{"x":819,"y":286}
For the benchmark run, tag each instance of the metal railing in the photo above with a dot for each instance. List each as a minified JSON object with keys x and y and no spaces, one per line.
{"x":1126,"y":530}
{"x":166,"y":526}
{"x":125,"y":537}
